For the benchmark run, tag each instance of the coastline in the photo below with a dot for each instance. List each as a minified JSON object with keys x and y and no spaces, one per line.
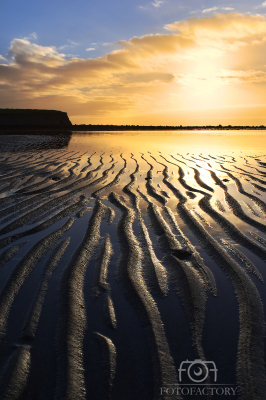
{"x":51,"y":130}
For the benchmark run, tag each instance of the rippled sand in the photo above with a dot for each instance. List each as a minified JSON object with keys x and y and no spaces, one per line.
{"x":124,"y":255}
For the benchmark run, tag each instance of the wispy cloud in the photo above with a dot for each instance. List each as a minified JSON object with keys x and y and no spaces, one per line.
{"x":2,"y":58}
{"x":207,"y":10}
{"x":72,"y":42}
{"x":157,"y":3}
{"x":31,"y":36}
{"x":90,"y":49}
{"x":261,"y":5}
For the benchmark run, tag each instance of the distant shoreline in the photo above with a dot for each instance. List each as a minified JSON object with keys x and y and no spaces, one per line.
{"x":54,"y":130}
{"x":161,"y":128}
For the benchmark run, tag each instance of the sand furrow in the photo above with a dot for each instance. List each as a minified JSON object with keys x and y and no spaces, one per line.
{"x":44,"y":195}
{"x":195,"y":259}
{"x":15,"y":375}
{"x":261,"y":204}
{"x":243,"y":259}
{"x":151,"y":190}
{"x":204,"y":158}
{"x":54,"y":175}
{"x":191,"y":289}
{"x":89,"y":163}
{"x":108,"y":362}
{"x":189,"y":281}
{"x":101,"y":269}
{"x":22,"y":270}
{"x":127,"y":189}
{"x":131,"y":276}
{"x":182,"y":180}
{"x":251,"y":384}
{"x":263,"y":189}
{"x":154,"y":272}
{"x":255,"y":178}
{"x":198,"y":263}
{"x":258,"y":238}
{"x":24,"y":172}
{"x":167,"y":239}
{"x":29,"y":189}
{"x":9,"y":253}
{"x":72,"y":314}
{"x":109,"y":311}
{"x":33,"y":317}
{"x":29,"y":181}
{"x":20,"y":211}
{"x":220,"y":206}
{"x":200,"y":181}
{"x":72,"y":176}
{"x":80,"y":213}
{"x":98,"y":192}
{"x":87,"y":177}
{"x":236,"y":208}
{"x":26,"y":218}
{"x":254,"y":212}
{"x":231,"y":229}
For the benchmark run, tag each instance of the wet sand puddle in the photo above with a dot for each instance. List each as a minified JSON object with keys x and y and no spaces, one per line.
{"x":116,"y":267}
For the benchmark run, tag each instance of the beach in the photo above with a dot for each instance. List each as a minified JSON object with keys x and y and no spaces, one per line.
{"x":125,"y":255}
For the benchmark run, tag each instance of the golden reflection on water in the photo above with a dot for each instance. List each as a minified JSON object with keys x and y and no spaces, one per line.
{"x":223,"y":142}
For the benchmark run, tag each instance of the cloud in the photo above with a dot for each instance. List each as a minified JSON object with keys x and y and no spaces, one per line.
{"x":198,"y":61}
{"x":72,"y":42}
{"x":157,"y":3}
{"x":32,"y":35}
{"x":207,"y":10}
{"x":23,"y":51}
{"x":261,"y":5}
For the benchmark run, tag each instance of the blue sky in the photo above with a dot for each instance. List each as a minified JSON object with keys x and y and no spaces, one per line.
{"x":136,"y":61}
{"x":74,"y":26}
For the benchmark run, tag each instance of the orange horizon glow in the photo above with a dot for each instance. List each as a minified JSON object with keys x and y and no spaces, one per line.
{"x":202,"y":71}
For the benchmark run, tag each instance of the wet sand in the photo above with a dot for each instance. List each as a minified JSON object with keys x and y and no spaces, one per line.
{"x":124,"y":255}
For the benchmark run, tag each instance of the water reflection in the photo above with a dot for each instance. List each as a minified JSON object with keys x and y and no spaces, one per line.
{"x":15,"y":143}
{"x":172,"y":141}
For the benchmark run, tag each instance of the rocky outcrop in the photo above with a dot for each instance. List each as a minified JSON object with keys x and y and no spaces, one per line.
{"x":28,"y":118}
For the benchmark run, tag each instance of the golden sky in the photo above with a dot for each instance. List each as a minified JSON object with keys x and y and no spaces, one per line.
{"x":208,"y":70}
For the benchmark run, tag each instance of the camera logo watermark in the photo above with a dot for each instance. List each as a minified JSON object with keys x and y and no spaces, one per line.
{"x":197,"y":370}
{"x":199,"y":374}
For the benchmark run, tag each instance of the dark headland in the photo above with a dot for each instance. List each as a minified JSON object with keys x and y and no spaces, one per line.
{"x":31,"y":121}
{"x":19,"y":121}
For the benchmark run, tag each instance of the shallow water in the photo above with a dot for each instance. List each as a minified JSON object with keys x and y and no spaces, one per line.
{"x":124,"y":254}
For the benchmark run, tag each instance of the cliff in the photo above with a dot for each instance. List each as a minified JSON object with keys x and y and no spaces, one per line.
{"x":30,"y":118}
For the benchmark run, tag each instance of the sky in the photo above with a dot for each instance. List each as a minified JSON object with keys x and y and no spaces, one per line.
{"x":134,"y":62}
